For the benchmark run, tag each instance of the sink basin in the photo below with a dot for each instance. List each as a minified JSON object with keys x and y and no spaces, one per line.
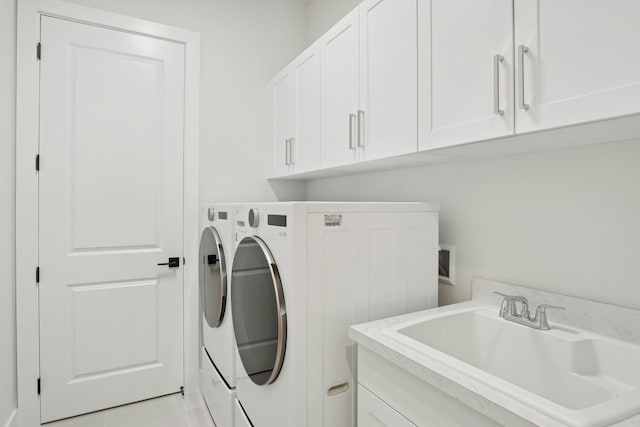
{"x":577,"y":377}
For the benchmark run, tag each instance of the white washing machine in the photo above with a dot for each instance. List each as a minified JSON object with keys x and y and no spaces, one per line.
{"x":218,"y":341}
{"x":302,"y":274}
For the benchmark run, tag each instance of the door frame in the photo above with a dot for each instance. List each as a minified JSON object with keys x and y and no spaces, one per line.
{"x":27,"y":142}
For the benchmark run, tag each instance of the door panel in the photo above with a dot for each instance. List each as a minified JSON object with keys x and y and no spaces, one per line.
{"x":101,"y":81}
{"x":582,"y":62}
{"x":306,"y":147}
{"x":96,"y":330}
{"x":466,"y":36}
{"x":389,"y":77}
{"x":284,"y":110}
{"x":340,"y":90}
{"x":110,"y":210}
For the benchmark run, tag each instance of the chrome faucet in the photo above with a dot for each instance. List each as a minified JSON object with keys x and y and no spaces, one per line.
{"x":509,"y":311}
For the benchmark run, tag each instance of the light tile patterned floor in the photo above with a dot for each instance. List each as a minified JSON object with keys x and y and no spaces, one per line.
{"x":168,"y":411}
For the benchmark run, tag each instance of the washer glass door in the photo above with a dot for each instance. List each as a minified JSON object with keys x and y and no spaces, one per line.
{"x":213,"y":277}
{"x":258,"y":310}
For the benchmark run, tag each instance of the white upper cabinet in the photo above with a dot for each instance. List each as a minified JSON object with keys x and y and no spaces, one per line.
{"x":388,"y":114}
{"x":576,"y":61}
{"x":305,"y":147}
{"x":466,"y":64}
{"x":283,"y":117}
{"x":399,"y":76}
{"x":340,"y":52}
{"x":370,"y":84}
{"x":295,"y":115}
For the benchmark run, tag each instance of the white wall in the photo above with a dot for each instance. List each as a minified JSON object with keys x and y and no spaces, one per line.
{"x":564,"y":221}
{"x":322,"y":14}
{"x":7,"y":211}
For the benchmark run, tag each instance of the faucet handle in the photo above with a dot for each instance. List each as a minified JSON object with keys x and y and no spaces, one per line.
{"x":541,"y":315}
{"x":508,"y":305}
{"x":504,"y":304}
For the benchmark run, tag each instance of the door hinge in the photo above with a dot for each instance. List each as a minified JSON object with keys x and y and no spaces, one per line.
{"x":39,"y":51}
{"x":37,"y":274}
{"x":37,"y":162}
{"x":39,"y":389}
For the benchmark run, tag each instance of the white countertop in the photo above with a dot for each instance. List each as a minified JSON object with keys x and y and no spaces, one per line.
{"x":488,"y":400}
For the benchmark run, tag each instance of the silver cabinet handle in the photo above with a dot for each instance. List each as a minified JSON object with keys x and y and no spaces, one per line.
{"x":361,"y":128}
{"x":287,"y":153}
{"x":497,"y":59}
{"x":522,"y":49}
{"x":352,"y":129}
{"x":292,"y":151}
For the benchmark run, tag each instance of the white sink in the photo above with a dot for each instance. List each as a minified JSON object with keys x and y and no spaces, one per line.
{"x":576,"y":377}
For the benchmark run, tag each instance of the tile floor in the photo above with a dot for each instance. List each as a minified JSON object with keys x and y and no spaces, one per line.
{"x":168,"y":411}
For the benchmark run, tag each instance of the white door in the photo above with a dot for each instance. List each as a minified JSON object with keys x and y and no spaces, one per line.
{"x":579,"y":61}
{"x":470,"y":62}
{"x":373,"y":412}
{"x":284,"y":103}
{"x":388,"y":116}
{"x":306,"y":145}
{"x":110,"y":210}
{"x":340,"y":91}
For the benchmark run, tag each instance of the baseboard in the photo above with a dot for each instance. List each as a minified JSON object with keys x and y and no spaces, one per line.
{"x":12,"y":421}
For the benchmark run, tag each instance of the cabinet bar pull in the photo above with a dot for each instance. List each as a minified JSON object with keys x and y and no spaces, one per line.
{"x":352,"y":129}
{"x":361,"y":128}
{"x":286,"y":152}
{"x":497,"y":59}
{"x":522,"y":49}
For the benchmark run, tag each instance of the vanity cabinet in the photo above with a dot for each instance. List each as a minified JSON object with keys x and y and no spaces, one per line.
{"x":576,"y":61}
{"x":369,"y":84}
{"x":389,"y":395}
{"x":466,"y":64}
{"x":373,"y":412}
{"x":294,"y":96}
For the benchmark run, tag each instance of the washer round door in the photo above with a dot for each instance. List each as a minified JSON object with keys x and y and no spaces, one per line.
{"x":258,"y":310}
{"x":213,"y":277}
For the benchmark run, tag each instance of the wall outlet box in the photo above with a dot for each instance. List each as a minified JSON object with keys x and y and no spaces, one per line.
{"x":447,"y":264}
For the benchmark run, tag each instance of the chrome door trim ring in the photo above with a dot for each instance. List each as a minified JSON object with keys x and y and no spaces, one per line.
{"x":222,"y":303}
{"x":281,"y":307}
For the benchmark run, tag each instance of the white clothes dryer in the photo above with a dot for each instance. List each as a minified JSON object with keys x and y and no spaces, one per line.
{"x":303,"y":273}
{"x":218,"y":341}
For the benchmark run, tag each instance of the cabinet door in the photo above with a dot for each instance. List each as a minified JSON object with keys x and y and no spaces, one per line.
{"x":468,"y":71}
{"x":388,"y":120}
{"x":283,"y":101}
{"x":340,"y":91}
{"x":306,"y":145}
{"x":577,"y":59}
{"x":373,"y":412}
